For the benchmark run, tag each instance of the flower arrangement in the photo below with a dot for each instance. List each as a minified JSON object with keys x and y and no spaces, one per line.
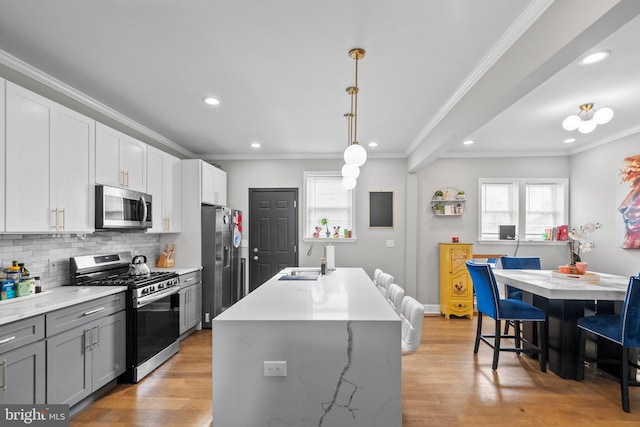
{"x":580,"y":240}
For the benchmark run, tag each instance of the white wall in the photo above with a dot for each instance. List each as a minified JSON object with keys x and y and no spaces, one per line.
{"x":596,"y":193}
{"x":370,"y":251}
{"x":464,"y":174}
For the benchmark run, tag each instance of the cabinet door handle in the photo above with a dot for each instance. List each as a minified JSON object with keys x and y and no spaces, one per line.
{"x":126,"y":174}
{"x":87,"y":339}
{"x":122,"y":178}
{"x":93,"y":311}
{"x":4,"y":375}
{"x":55,"y":227}
{"x":97,"y":328}
{"x":64,"y":218}
{"x":6,"y":340}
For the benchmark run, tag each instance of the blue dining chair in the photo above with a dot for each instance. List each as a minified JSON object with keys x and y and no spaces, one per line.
{"x":490,"y":304}
{"x":623,"y":329}
{"x":521,"y":263}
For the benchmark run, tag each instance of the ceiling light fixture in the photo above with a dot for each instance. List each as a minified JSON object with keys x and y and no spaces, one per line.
{"x":211,"y":101}
{"x":355,"y":154}
{"x":594,"y":57}
{"x":255,"y":145}
{"x":587,"y":119}
{"x":373,"y":144}
{"x":468,"y":142}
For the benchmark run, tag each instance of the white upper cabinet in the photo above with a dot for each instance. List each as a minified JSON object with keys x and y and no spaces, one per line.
{"x":2,"y":150}
{"x":121,"y":161}
{"x":214,"y":185}
{"x":163,"y":183}
{"x":49,"y":165}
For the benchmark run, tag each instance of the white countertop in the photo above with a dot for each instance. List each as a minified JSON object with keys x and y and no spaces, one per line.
{"x":179,"y":270}
{"x":52,"y":299}
{"x":540,"y":282}
{"x":343,"y":294}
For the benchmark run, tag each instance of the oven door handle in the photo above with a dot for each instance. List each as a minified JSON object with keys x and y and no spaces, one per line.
{"x":141,"y":302}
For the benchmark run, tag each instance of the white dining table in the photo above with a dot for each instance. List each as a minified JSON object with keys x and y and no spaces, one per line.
{"x":565,"y":300}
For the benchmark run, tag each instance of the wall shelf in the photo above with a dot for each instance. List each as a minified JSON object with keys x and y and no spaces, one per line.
{"x":448,"y":201}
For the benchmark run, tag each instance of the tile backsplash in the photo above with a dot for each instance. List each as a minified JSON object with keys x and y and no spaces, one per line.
{"x":40,"y":251}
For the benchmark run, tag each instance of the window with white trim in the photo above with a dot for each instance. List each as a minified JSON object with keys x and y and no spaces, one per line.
{"x":325,"y":197}
{"x":532,"y":205}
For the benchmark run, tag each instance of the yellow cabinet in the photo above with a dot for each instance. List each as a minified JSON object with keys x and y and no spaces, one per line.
{"x":456,"y":288}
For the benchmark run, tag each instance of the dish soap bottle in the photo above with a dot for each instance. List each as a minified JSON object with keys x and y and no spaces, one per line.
{"x":323,"y":266}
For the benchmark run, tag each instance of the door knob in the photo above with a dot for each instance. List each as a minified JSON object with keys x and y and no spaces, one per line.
{"x":255,"y":257}
{"x":255,"y":250}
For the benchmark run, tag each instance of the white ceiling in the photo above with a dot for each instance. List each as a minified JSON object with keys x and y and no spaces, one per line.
{"x":502,"y":72}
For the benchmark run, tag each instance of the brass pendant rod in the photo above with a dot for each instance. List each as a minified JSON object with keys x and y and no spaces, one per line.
{"x":355,"y":116}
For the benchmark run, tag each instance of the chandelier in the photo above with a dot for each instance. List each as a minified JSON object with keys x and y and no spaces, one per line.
{"x":355,"y":155}
{"x":587,"y":118}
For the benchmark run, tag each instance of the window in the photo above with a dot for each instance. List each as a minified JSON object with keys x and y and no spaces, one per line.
{"x":532,"y":205}
{"x":325,"y":197}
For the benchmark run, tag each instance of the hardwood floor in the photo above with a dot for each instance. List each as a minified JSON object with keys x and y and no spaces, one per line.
{"x":442,"y":384}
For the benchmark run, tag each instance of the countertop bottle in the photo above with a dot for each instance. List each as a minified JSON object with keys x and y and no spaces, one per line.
{"x":24,"y":273}
{"x":13,"y":272}
{"x":323,"y":266}
{"x":38,"y":285}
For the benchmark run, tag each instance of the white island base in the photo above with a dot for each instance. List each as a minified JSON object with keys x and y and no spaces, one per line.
{"x":340,"y":340}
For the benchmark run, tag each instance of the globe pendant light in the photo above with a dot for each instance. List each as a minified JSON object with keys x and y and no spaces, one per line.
{"x":349,"y":183}
{"x":355,"y":154}
{"x":592,"y":118}
{"x":350,"y":171}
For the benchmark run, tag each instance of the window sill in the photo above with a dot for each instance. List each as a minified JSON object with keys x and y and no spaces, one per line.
{"x":523,"y":242}
{"x":326,"y":240}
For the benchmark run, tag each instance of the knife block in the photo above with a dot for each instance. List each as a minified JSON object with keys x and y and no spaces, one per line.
{"x":163,"y":261}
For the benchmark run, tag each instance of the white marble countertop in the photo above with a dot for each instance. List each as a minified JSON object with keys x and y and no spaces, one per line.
{"x":52,"y":299}
{"x":343,"y":294}
{"x":609,"y":287}
{"x":179,"y":270}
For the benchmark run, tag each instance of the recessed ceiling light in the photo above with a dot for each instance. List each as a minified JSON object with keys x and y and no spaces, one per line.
{"x":255,"y":145}
{"x":569,"y":141}
{"x":373,"y":144}
{"x":211,"y":101}
{"x":594,"y":57}
{"x":468,"y":142}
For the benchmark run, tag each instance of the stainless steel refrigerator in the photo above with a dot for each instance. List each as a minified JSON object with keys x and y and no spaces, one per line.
{"x":222,"y":278}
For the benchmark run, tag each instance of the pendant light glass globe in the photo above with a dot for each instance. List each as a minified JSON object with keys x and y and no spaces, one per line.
{"x":572,"y":122}
{"x":349,"y":183}
{"x":350,"y":171}
{"x":355,"y":154}
{"x":587,"y":126}
{"x":603,"y":115}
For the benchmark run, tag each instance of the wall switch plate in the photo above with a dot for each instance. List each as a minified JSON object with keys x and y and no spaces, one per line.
{"x":391,"y":243}
{"x":275,"y":368}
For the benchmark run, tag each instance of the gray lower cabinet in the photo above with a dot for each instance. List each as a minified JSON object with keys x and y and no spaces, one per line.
{"x":86,"y":355}
{"x":190,"y":300}
{"x":22,"y":362}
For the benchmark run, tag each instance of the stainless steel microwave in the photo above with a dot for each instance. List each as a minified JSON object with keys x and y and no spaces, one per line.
{"x":119,"y":208}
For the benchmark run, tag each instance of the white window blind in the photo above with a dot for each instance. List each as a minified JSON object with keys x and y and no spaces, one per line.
{"x":327,"y":198}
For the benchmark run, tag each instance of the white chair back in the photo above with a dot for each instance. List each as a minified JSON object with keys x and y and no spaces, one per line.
{"x":395,"y":294}
{"x":412,"y":315}
{"x":385,"y":280}
{"x":376,"y":275}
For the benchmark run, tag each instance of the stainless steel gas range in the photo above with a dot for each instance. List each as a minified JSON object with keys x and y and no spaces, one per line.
{"x":153,"y":308}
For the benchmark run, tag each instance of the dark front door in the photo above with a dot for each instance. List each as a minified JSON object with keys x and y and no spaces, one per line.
{"x":273,"y":232}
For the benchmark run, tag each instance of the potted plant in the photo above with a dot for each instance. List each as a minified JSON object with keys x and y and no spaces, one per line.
{"x":325,"y":221}
{"x":438,"y":195}
{"x":460,"y":195}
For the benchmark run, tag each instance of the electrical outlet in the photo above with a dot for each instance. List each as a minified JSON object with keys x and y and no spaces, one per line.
{"x":53,"y":266}
{"x":275,"y":369}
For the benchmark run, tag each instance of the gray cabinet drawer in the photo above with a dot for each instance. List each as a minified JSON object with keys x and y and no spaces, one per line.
{"x":190,"y":278}
{"x":67,"y":318}
{"x":22,"y":332}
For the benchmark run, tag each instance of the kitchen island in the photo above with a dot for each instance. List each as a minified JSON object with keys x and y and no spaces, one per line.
{"x":305,"y":352}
